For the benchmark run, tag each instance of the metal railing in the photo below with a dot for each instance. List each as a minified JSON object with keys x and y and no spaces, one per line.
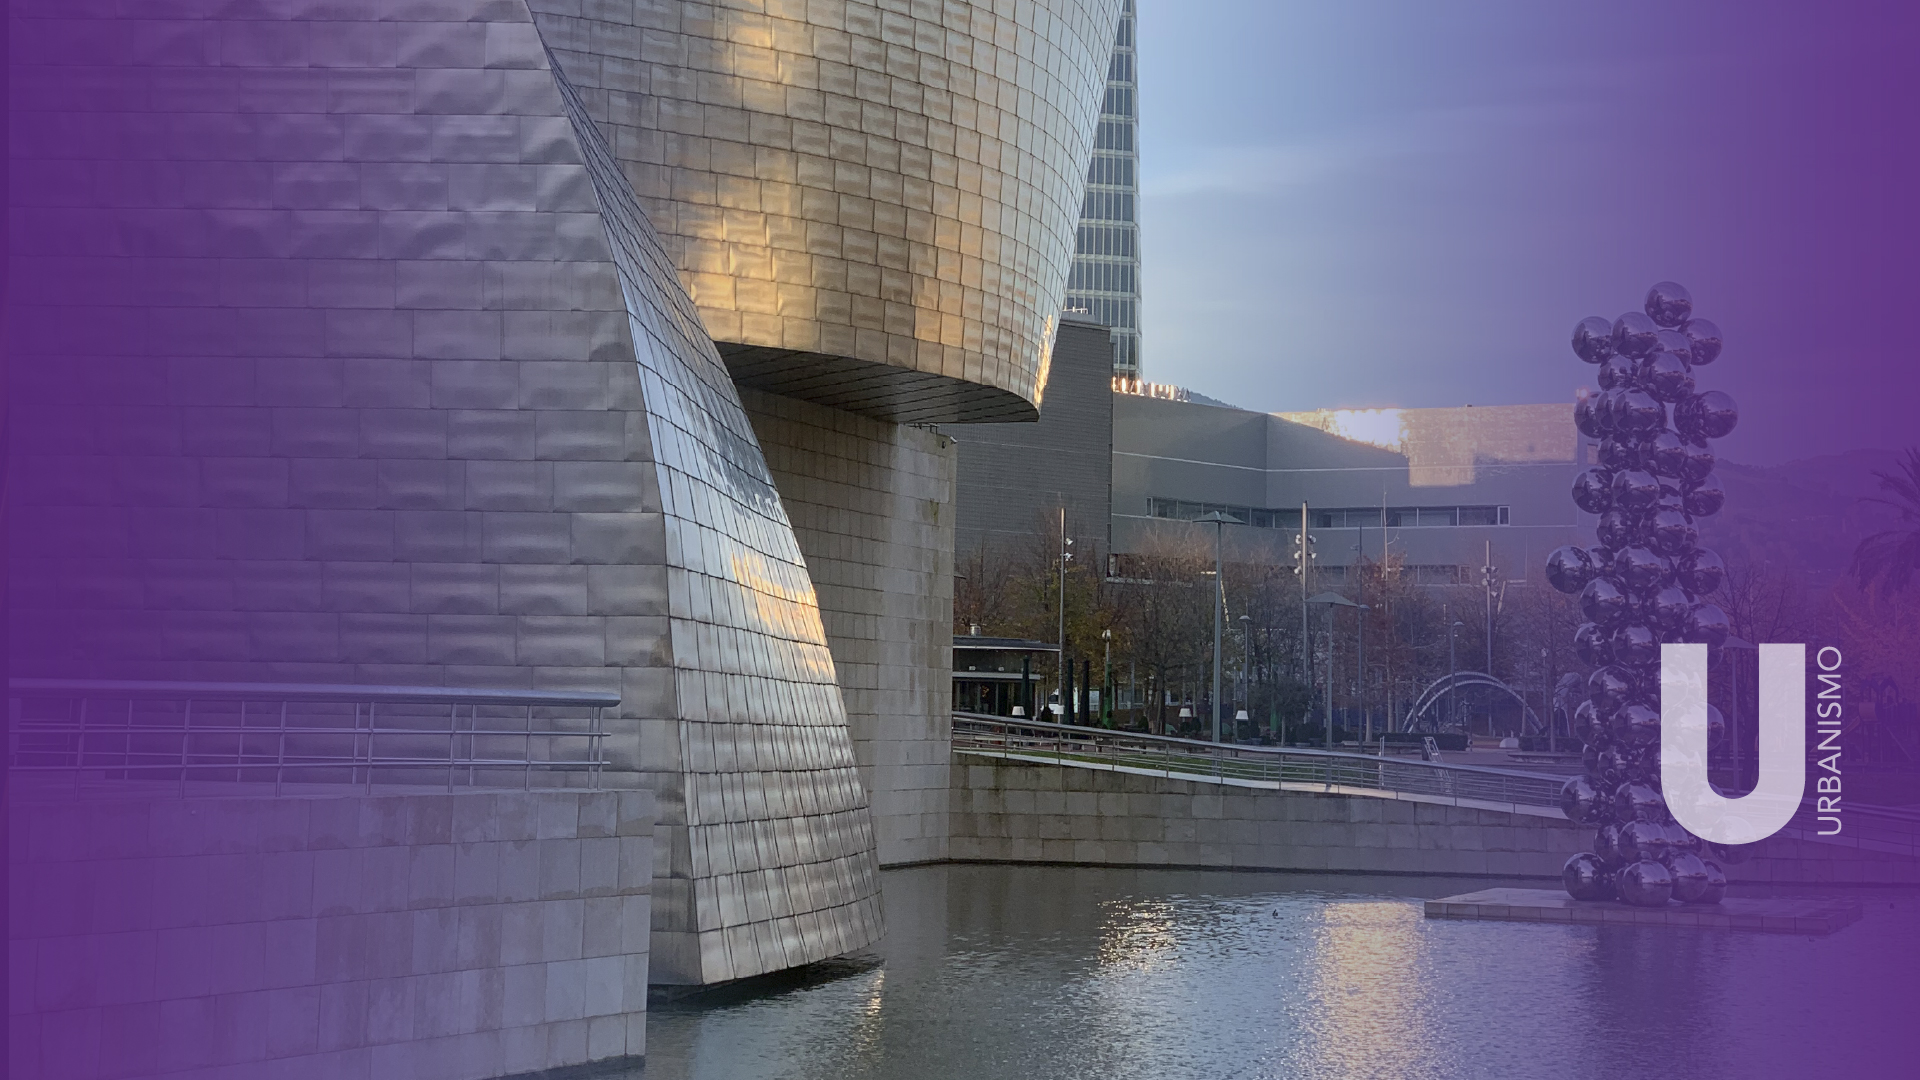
{"x":307,"y":733}
{"x":1292,"y":768}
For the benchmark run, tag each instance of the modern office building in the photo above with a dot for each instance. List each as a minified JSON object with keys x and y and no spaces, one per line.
{"x":1434,"y":487}
{"x":1105,"y":283}
{"x":529,"y":344}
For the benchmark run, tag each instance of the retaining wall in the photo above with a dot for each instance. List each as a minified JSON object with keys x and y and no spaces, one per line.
{"x":1006,"y":812}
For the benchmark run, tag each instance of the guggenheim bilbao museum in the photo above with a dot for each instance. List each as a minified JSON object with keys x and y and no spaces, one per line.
{"x":553,"y":345}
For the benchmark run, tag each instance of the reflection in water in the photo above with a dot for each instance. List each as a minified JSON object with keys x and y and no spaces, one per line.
{"x":1037,"y":973}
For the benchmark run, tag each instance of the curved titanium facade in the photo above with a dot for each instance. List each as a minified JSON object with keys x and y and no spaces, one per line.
{"x":344,"y":353}
{"x":873,"y":205}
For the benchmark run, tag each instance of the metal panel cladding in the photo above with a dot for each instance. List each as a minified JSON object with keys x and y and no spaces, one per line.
{"x":873,"y":205}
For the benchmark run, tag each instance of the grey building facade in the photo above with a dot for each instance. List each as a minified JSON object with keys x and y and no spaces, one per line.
{"x":1432,"y":486}
{"x":1012,"y":480}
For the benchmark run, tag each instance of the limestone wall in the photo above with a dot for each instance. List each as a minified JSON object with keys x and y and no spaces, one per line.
{"x":1039,"y":813}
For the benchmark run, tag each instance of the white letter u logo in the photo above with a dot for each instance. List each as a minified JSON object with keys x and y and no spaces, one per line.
{"x":1683,"y":745}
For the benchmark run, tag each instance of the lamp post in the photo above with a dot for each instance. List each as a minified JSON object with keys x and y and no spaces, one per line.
{"x":1332,"y":600}
{"x":1065,"y":557}
{"x":1246,"y":668}
{"x":1106,"y":680}
{"x":1453,"y":671}
{"x":1219,"y":521}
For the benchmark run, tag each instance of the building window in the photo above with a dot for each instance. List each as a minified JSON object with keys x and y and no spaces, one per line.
{"x":1357,"y":517}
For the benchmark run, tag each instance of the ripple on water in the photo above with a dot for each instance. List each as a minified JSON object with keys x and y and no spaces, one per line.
{"x":1053,"y":973}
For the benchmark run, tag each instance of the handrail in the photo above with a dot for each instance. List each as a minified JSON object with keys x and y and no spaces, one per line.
{"x":226,"y":691}
{"x":119,"y":730}
{"x":1082,"y":731}
{"x":1283,"y":767}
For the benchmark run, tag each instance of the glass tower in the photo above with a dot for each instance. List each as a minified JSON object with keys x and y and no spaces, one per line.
{"x":1105,"y":281}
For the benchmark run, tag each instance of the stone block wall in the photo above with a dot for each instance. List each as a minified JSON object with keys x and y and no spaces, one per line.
{"x":872,"y":506}
{"x":384,"y":937}
{"x":1041,"y":813}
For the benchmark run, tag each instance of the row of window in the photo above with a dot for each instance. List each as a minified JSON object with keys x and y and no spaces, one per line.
{"x":1108,"y":206}
{"x":1119,"y":102}
{"x":1121,"y":69}
{"x":1111,"y":169}
{"x":1114,"y":135}
{"x":1369,"y":517}
{"x":1134,"y":567}
{"x":1120,"y":313}
{"x":1100,"y":276}
{"x":1115,"y":240}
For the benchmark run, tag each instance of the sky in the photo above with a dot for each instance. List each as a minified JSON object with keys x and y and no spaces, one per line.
{"x":1364,"y":204}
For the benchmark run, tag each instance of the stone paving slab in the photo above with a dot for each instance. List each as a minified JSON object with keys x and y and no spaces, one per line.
{"x":1783,"y":916}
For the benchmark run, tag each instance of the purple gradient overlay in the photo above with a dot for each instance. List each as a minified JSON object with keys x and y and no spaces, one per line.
{"x":195,"y":305}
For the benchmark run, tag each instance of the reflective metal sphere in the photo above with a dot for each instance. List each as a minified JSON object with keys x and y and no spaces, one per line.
{"x":1636,"y":724}
{"x":1707,"y":624}
{"x":1716,"y":883}
{"x":1614,"y":762}
{"x":1586,"y":877}
{"x":1606,"y":844}
{"x":1701,"y":572}
{"x":1609,"y":688}
{"x":1705,"y":498}
{"x":1732,"y":854}
{"x":1586,"y":416}
{"x":1636,"y":411}
{"x":1689,"y":876}
{"x":1593,"y":339}
{"x":1640,"y":839}
{"x":1669,"y":609}
{"x":1679,"y":839}
{"x":1616,"y":529}
{"x":1699,"y":464}
{"x":1669,"y":304}
{"x":1644,"y":884}
{"x":1634,"y":643}
{"x":1675,"y":342}
{"x":1603,"y":602}
{"x":1718,"y":414}
{"x":1704,"y":338}
{"x":1593,"y":491}
{"x":1633,"y":335}
{"x":1617,"y":374}
{"x":1665,"y":454}
{"x":1640,"y":802}
{"x":1640,"y":569}
{"x":1635,"y":490}
{"x":1586,"y":723}
{"x":1578,"y":800}
{"x":1665,"y":376}
{"x":1672,"y":533}
{"x":1569,"y":569}
{"x":1617,"y":454}
{"x":1591,"y":645}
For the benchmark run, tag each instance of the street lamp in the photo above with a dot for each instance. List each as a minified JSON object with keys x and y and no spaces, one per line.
{"x":1453,"y":673}
{"x":1332,"y":600}
{"x":1246,"y":672}
{"x":1106,"y":681}
{"x":1219,"y":521}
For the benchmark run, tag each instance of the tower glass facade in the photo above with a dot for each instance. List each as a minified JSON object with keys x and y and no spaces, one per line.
{"x":1105,"y":281}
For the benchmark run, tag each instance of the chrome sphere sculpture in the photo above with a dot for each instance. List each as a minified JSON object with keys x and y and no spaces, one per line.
{"x":1647,"y":583}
